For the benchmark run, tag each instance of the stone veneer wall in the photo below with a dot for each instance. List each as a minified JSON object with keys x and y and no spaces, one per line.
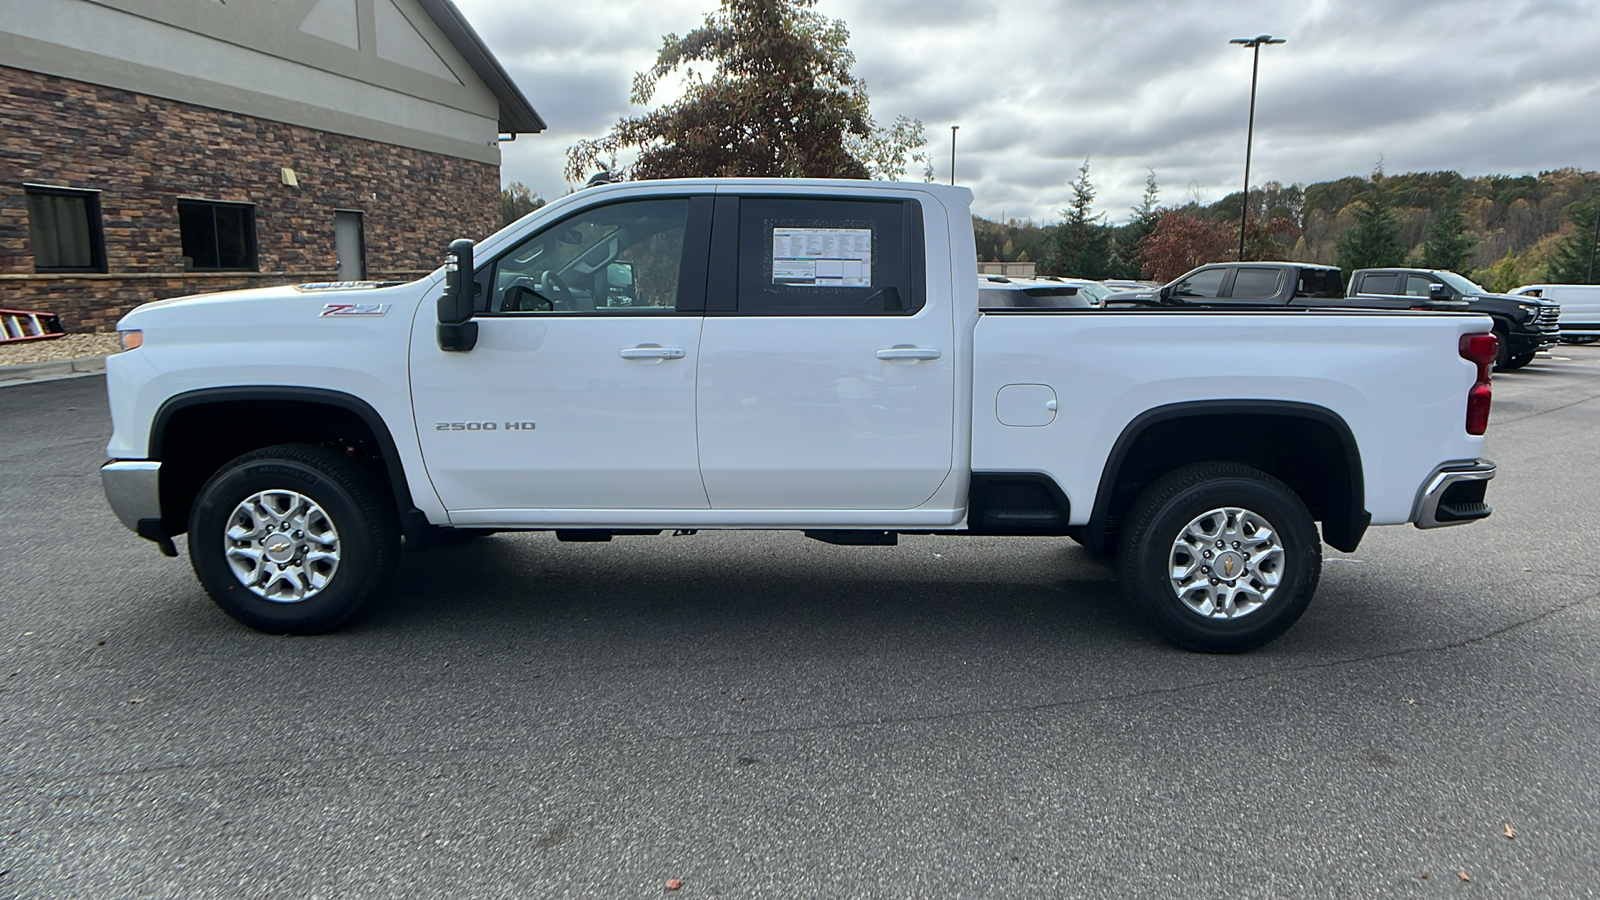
{"x":144,"y":153}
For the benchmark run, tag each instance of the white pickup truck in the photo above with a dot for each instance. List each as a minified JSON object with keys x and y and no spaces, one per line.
{"x":780,"y":354}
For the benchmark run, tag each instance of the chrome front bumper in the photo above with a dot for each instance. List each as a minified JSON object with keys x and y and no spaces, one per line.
{"x":133,"y":488}
{"x":1454,"y":495}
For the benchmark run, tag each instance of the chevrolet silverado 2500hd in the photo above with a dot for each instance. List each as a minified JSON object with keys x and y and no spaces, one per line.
{"x":780,"y":354}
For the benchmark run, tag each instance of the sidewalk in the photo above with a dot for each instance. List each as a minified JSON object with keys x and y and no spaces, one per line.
{"x":27,"y":373}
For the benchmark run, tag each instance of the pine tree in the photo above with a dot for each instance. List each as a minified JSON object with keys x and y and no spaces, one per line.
{"x":1082,"y":245}
{"x":1374,"y":240}
{"x":1448,"y":244}
{"x":1569,"y":263}
{"x":1128,"y":261}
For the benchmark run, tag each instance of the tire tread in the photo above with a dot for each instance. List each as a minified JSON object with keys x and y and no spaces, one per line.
{"x":380,"y":531}
{"x":1141,"y":519}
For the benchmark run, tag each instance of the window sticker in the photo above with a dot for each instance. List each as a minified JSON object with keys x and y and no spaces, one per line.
{"x":822,"y":257}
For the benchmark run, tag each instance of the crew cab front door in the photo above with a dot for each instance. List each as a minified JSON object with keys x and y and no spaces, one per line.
{"x":827,"y":363}
{"x":580,"y":391}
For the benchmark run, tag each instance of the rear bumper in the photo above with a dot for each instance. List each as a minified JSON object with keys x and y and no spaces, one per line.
{"x":1454,"y":494}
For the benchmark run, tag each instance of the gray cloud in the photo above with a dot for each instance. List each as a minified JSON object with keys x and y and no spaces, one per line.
{"x":1478,"y":86}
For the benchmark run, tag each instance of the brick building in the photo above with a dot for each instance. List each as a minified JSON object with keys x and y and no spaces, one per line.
{"x":155,"y":148}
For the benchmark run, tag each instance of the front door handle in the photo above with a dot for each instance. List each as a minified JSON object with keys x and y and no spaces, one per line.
{"x":906,"y":351}
{"x":651,"y":351}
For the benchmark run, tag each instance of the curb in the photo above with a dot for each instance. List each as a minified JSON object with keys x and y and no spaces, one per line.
{"x":27,"y":373}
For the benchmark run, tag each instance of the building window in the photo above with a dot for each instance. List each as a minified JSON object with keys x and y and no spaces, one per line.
{"x":64,"y":230}
{"x":217,"y":235}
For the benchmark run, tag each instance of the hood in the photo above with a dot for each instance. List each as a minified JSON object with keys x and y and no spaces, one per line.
{"x":323,"y":293}
{"x":1510,"y":298}
{"x":1142,"y":298}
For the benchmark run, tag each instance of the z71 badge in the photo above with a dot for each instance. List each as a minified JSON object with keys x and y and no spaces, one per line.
{"x":355,"y":309}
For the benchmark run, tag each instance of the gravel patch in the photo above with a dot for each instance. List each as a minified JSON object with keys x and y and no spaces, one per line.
{"x":71,"y":346}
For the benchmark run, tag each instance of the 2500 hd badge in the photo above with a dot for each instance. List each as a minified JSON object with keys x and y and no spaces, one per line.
{"x":483,"y":426}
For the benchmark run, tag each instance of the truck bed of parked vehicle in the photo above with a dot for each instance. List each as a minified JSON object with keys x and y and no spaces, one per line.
{"x":780,"y":354}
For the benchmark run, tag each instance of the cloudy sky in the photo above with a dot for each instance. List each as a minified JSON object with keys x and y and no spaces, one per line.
{"x":1479,"y":86}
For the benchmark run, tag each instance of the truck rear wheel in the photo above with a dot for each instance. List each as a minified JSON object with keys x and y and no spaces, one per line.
{"x":1220,"y":557}
{"x":293,"y":539}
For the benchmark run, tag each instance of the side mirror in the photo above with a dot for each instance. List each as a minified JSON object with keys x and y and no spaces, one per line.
{"x":457,"y":331}
{"x":1437,"y":291}
{"x":620,"y":275}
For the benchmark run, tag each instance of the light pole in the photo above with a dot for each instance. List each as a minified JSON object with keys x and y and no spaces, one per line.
{"x":1249,"y":135}
{"x":953,"y":154}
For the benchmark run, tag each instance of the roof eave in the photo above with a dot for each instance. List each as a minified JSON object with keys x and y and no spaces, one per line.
{"x":517,"y":115}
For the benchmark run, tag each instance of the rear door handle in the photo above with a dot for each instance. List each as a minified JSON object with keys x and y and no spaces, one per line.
{"x":651,"y":351}
{"x":906,"y":351}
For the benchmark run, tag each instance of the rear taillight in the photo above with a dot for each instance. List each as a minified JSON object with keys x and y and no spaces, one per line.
{"x":1479,"y":349}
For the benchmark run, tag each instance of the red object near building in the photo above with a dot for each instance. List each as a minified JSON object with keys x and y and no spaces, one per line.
{"x":21,"y":325}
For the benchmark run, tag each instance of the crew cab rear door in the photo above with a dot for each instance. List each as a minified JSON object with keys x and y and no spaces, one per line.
{"x":827,"y":360}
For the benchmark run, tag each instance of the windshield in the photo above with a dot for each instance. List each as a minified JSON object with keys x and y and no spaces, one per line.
{"x":1461,"y":285}
{"x":1095,"y":293}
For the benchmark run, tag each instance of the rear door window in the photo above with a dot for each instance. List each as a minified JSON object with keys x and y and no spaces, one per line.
{"x":1382,"y":283}
{"x":1257,"y":283}
{"x":802,"y":256}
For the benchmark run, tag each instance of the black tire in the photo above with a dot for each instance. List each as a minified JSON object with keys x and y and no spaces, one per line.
{"x":1165,"y":511}
{"x":1502,"y":350}
{"x":1517,"y":362}
{"x":1581,"y":339}
{"x":364,"y":538}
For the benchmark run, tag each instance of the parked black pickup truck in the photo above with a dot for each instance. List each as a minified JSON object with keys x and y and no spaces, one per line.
{"x":1524,"y":325}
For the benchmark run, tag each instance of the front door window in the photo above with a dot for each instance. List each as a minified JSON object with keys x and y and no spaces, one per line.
{"x":622,"y":257}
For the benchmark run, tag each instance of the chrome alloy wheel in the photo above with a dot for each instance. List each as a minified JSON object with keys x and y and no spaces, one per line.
{"x":281,"y":546}
{"x":1226,"y":563}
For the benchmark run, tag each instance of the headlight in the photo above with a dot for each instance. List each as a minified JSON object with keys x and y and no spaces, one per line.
{"x":1529,"y":313}
{"x":131,"y":339}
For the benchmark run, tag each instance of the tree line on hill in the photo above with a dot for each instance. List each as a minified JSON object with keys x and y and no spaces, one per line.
{"x":1501,"y":231}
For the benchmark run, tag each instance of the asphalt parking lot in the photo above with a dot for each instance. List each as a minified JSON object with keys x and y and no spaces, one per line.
{"x":760,"y":715}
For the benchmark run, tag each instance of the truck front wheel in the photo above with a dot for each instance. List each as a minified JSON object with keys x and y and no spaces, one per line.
{"x":293,"y":539}
{"x":1502,"y":352}
{"x":1220,"y":557}
{"x":1518,"y":361}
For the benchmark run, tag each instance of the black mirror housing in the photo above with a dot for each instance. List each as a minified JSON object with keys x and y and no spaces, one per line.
{"x":457,"y":331}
